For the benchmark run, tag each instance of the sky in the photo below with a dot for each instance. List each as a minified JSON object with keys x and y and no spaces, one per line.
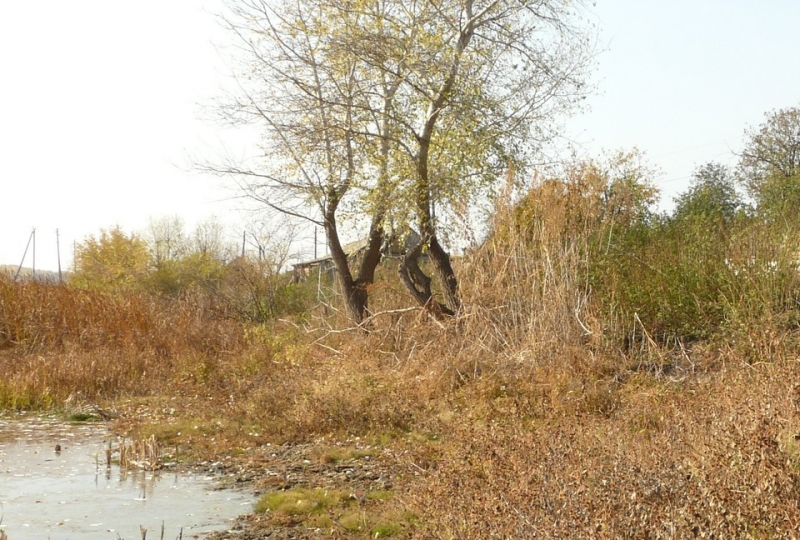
{"x":682,"y":80}
{"x":104,"y":105}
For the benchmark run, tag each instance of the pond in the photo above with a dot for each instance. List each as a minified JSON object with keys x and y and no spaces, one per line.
{"x":72,"y":494}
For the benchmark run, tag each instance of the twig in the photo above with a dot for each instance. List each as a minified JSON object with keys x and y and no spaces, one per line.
{"x":360,"y":326}
{"x":334,"y":351}
{"x":586,"y":331}
{"x":650,"y":340}
{"x":685,"y":354}
{"x":423,"y":471}
{"x":335,"y":520}
{"x":391,"y":311}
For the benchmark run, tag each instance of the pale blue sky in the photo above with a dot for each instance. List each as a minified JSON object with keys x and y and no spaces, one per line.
{"x":682,"y":79}
{"x":100,"y":103}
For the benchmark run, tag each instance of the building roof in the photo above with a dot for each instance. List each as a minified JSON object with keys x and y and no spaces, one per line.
{"x":350,"y":249}
{"x":354,"y":248}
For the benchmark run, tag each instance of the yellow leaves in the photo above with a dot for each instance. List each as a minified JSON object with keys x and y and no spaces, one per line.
{"x":114,"y":259}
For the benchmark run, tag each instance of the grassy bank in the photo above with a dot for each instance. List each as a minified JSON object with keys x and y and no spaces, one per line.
{"x":547,"y":407}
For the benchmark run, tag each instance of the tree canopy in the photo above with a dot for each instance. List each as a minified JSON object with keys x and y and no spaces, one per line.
{"x":769,"y":165}
{"x":398,"y":114}
{"x":711,"y":196}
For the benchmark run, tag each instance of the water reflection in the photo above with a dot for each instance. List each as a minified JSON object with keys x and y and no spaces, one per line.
{"x":54,"y":483}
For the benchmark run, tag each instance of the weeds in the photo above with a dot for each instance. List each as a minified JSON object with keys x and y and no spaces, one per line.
{"x":334,"y":511}
{"x":343,"y":453}
{"x":577,"y":394}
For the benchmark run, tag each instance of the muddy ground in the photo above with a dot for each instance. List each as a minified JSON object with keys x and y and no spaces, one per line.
{"x":286,"y":467}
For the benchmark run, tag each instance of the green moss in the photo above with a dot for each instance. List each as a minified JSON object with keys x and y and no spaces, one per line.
{"x":384,"y":530}
{"x":299,"y":502}
{"x":333,"y":509}
{"x":380,"y":495}
{"x":392,"y":524}
{"x":82,"y":417}
{"x":345,"y":453}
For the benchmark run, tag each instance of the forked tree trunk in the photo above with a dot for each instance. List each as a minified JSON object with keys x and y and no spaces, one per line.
{"x":416,"y":281}
{"x":355,"y":289}
{"x":419,"y":284}
{"x":414,"y":278}
{"x":444,"y":271}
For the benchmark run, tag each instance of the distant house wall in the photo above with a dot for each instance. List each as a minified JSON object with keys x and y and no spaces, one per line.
{"x":27,"y":274}
{"x":395,"y":247}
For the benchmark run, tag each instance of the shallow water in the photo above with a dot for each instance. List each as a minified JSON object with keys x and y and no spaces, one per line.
{"x":73,"y":495}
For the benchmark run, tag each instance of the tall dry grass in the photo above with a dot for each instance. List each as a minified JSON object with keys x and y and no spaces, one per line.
{"x":697,"y":458}
{"x":56,"y":341}
{"x":561,"y":414}
{"x":548,"y":407}
{"x":571,"y":418}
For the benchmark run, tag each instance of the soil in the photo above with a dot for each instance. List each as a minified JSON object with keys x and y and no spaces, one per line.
{"x":284,"y":467}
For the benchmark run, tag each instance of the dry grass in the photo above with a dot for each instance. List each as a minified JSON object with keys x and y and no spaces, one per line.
{"x":37,"y":317}
{"x":57,"y":341}
{"x":530,"y":413}
{"x":670,"y":460}
{"x":145,"y":454}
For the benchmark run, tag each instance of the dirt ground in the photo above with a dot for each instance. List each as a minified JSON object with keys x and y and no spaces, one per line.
{"x":291,"y":466}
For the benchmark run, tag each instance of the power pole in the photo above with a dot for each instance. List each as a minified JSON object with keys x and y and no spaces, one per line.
{"x":32,"y":237}
{"x":58,"y":255}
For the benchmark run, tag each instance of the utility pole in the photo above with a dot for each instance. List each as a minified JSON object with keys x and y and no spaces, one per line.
{"x":32,"y":237}
{"x":58,"y":255}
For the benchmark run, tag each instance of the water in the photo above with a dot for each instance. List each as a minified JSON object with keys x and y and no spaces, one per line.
{"x":73,"y":495}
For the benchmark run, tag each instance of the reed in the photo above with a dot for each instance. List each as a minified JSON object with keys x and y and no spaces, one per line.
{"x":56,"y":341}
{"x":41,"y":317}
{"x":142,"y":454}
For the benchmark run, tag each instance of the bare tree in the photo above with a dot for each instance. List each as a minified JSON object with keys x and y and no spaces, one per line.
{"x":273,"y":242}
{"x":324,"y":146}
{"x":208,"y":239}
{"x":167,"y":239}
{"x":394,"y":110}
{"x":483,"y":80}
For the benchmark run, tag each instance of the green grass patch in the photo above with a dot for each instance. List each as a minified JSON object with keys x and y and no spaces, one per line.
{"x":380,"y":495}
{"x":335,"y":510}
{"x":300,"y":502}
{"x":386,"y":529}
{"x":83,"y":417}
{"x":338,"y":454}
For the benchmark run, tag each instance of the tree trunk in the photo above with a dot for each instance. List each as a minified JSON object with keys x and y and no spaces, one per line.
{"x":359,"y":299}
{"x":419,"y":284}
{"x":355,"y":290}
{"x":415,"y":280}
{"x":447,"y":277}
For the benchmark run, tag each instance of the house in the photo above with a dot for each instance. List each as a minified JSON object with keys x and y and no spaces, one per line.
{"x":393,"y":247}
